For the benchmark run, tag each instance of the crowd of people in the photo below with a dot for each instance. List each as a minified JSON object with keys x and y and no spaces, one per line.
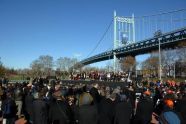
{"x":41,"y":101}
{"x":101,"y":76}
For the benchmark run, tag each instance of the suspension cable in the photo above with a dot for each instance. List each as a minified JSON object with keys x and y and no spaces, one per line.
{"x":101,"y":39}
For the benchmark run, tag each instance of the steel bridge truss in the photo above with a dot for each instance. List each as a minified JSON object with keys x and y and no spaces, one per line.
{"x":167,"y":40}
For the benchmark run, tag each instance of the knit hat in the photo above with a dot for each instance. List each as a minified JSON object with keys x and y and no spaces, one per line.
{"x":169,"y":103}
{"x":148,"y":93}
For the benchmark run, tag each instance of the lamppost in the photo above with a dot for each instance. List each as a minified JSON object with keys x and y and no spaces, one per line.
{"x":174,"y":70}
{"x":159,"y":61}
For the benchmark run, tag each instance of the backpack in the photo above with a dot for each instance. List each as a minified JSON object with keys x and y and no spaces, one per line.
{"x":169,"y":117}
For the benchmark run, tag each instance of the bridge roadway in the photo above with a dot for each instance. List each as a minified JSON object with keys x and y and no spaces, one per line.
{"x":167,"y":40}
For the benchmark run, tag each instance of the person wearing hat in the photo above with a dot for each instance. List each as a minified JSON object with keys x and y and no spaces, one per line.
{"x":169,"y":115}
{"x":144,"y":109}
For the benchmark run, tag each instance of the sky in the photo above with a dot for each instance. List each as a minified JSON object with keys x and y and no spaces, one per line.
{"x":65,"y":28}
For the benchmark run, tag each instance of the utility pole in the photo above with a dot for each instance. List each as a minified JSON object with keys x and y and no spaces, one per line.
{"x":159,"y":60}
{"x":115,"y":41}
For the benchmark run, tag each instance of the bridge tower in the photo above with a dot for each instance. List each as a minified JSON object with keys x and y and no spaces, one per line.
{"x":124,"y":34}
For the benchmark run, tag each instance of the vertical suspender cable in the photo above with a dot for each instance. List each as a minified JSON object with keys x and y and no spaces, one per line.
{"x":150,"y":32}
{"x":122,"y":28}
{"x":140,"y":32}
{"x":171,"y":22}
{"x":119,"y":31}
{"x":156,"y":23}
{"x":141,"y":24}
{"x":181,"y":20}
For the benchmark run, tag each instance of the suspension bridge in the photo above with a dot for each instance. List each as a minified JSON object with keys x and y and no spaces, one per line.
{"x":139,"y":35}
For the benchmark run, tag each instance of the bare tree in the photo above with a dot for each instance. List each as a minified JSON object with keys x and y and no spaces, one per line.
{"x":180,"y":67}
{"x":36,"y":68}
{"x":65,"y":63}
{"x":46,"y":62}
{"x":181,"y":54}
{"x":2,"y":69}
{"x":108,"y":67}
{"x":151,"y":65}
{"x":169,"y":58}
{"x":128,"y":63}
{"x":42,"y":66}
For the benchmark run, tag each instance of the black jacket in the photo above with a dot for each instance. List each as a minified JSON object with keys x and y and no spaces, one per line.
{"x":181,"y":108}
{"x":60,"y":113}
{"x":106,"y":111}
{"x":123,"y":112}
{"x":96,"y":97}
{"x":9,"y":108}
{"x":144,"y":110}
{"x":40,"y":112}
{"x":29,"y":105}
{"x":87,"y":114}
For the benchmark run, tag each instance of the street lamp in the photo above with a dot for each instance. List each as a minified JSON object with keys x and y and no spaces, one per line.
{"x":174,"y":70}
{"x":159,"y":61}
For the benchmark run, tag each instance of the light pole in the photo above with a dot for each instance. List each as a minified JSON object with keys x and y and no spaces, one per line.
{"x":159,"y":61}
{"x":174,"y":71}
{"x":115,"y":41}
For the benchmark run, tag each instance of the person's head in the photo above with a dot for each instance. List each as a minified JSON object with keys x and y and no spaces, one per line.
{"x":85,"y":99}
{"x":71,"y":100}
{"x":169,"y":103}
{"x":95,"y":85}
{"x":146,"y":93}
{"x":113,"y":96}
{"x":8,"y":94}
{"x":58,"y":95}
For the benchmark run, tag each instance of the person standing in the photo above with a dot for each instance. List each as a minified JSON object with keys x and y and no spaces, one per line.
{"x":87,"y":113}
{"x":144,"y":109}
{"x":123,"y":111}
{"x":59,"y":111}
{"x":18,"y":98}
{"x":9,"y":109}
{"x":40,"y":110}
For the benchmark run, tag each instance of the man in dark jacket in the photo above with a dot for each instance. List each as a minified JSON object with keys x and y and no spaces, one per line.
{"x":144,"y":109}
{"x":181,"y":108}
{"x":40,"y":110}
{"x":106,"y":110}
{"x":9,"y":109}
{"x":169,"y":115}
{"x":95,"y":94}
{"x":123,"y":112}
{"x":60,"y":112}
{"x":87,"y":113}
{"x":28,"y":106}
